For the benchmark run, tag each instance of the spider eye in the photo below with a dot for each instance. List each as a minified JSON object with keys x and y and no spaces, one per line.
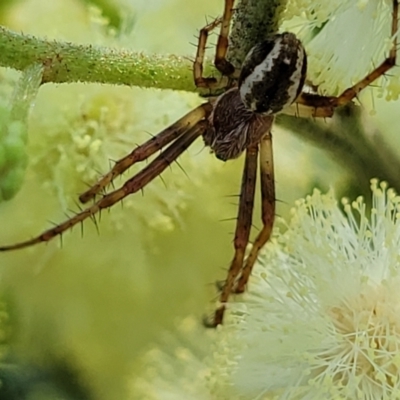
{"x":273,"y":74}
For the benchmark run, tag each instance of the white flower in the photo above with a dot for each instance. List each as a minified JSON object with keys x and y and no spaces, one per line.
{"x":322,"y":318}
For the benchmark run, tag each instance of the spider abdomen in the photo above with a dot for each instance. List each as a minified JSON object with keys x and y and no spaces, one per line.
{"x":273,"y":74}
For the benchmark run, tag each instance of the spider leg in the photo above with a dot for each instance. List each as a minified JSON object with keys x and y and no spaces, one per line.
{"x":242,"y":232}
{"x":268,"y":209}
{"x":147,"y":149}
{"x":140,"y":180}
{"x":350,"y":93}
{"x":199,"y":80}
{"x":324,"y":105}
{"x":220,"y":62}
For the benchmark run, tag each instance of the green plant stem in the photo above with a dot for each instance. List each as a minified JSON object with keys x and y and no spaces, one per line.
{"x":65,"y":62}
{"x":253,"y":22}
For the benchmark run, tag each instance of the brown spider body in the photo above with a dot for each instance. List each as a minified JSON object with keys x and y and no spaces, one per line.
{"x":232,"y":127}
{"x":271,"y":78}
{"x":239,"y":120}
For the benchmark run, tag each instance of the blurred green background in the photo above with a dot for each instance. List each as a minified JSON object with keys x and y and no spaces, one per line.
{"x":89,"y":310}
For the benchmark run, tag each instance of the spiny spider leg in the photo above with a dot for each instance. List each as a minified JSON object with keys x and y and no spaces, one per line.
{"x":140,"y":180}
{"x":146,"y":150}
{"x":199,"y":80}
{"x":324,"y":106}
{"x":242,"y":233}
{"x":267,"y":183}
{"x":220,"y":62}
{"x":350,"y":93}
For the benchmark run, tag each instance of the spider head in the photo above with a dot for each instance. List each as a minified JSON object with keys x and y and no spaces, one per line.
{"x":273,"y":74}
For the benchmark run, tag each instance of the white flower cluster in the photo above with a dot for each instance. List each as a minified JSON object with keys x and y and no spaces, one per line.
{"x":321,"y":319}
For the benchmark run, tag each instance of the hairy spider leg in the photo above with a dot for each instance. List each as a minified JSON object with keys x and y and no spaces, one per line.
{"x":147,"y":149}
{"x":220,"y":62}
{"x":324,"y":106}
{"x":199,"y":80}
{"x":139,"y":181}
{"x":267,"y":183}
{"x":350,"y":93}
{"x":242,"y":232}
{"x":245,"y":216}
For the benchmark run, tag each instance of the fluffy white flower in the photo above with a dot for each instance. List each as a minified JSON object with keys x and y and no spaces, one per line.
{"x":322,"y":318}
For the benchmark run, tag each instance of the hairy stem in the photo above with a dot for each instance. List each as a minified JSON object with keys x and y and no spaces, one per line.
{"x":66,"y":62}
{"x":254,"y":21}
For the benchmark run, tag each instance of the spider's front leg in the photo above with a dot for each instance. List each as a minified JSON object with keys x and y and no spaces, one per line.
{"x":220,"y":61}
{"x":146,"y":150}
{"x":183,"y":133}
{"x":171,"y":133}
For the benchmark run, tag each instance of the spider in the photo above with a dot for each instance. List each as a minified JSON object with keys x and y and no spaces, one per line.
{"x":237,"y":121}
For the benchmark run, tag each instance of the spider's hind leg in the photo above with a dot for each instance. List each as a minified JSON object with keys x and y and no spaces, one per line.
{"x":242,"y":234}
{"x":267,"y":210}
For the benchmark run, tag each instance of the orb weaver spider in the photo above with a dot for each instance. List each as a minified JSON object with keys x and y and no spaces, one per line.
{"x":237,"y":121}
